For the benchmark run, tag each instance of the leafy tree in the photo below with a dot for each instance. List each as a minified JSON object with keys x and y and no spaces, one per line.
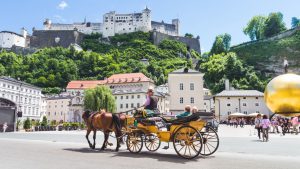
{"x":99,"y":98}
{"x":274,"y":24}
{"x":221,"y":44}
{"x":295,"y":22}
{"x":44,"y":121}
{"x":255,"y":27}
{"x":189,"y":35}
{"x":27,"y":124}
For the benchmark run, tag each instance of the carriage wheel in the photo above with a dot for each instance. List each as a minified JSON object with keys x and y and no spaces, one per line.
{"x":187,"y":142}
{"x":152,"y":142}
{"x":134,"y":142}
{"x":210,"y":141}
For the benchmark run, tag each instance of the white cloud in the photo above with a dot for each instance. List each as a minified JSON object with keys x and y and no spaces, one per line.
{"x":62,"y":5}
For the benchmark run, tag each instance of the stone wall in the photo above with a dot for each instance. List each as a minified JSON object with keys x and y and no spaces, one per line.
{"x":192,"y":43}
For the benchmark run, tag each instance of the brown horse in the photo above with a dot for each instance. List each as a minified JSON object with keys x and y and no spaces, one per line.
{"x":106,"y":122}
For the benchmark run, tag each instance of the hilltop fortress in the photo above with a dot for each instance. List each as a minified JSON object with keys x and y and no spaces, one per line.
{"x":114,"y":23}
{"x":64,"y":35}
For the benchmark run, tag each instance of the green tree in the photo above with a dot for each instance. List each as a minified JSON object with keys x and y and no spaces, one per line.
{"x":99,"y":98}
{"x":189,"y":35}
{"x":274,"y":24}
{"x":44,"y":121}
{"x":295,"y":22}
{"x":27,"y":124}
{"x":221,"y":44}
{"x":255,"y":27}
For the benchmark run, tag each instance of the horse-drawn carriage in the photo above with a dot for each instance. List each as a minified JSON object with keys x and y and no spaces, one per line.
{"x":190,"y":135}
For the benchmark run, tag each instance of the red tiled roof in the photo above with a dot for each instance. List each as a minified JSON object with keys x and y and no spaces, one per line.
{"x":114,"y":79}
{"x":128,"y":78}
{"x":85,"y":84}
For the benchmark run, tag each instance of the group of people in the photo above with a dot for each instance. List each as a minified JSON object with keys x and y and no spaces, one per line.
{"x":235,"y":122}
{"x":264,"y":125}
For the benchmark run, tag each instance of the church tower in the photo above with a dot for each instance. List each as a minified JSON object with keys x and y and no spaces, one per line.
{"x":146,"y":14}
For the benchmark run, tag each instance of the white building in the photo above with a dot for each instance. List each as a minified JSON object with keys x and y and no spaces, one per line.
{"x":43,"y":107}
{"x":185,"y":88}
{"x":242,"y":101}
{"x":26,"y":97}
{"x":114,"y":23}
{"x":129,"y":90}
{"x":209,"y":104}
{"x":9,"y":39}
{"x":83,"y":27}
{"x":58,"y":109}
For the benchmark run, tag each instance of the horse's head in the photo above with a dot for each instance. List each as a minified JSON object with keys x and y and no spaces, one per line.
{"x":86,"y":114}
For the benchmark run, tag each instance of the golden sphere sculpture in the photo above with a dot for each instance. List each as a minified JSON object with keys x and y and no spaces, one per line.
{"x":282,"y":95}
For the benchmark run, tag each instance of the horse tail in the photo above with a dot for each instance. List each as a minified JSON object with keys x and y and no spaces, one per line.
{"x":117,"y":123}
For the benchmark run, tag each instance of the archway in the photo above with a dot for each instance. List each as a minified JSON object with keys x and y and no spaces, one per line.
{"x":77,"y":116}
{"x":7,"y":114}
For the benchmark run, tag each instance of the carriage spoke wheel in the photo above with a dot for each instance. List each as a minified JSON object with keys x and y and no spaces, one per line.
{"x":134,"y":142}
{"x":152,"y":142}
{"x":187,"y":142}
{"x":210,"y":141}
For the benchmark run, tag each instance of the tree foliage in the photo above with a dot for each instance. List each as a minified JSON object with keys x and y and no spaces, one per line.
{"x":221,"y":44}
{"x":99,"y":98}
{"x":274,"y":24}
{"x":255,"y":27}
{"x":295,"y":22}
{"x":228,"y":66}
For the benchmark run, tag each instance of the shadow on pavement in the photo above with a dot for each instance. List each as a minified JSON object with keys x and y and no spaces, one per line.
{"x":154,"y":155}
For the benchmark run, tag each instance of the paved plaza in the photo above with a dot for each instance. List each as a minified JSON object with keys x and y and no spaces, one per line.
{"x":239,"y":148}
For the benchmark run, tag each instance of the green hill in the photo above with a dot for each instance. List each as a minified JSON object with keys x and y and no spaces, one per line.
{"x":267,"y":55}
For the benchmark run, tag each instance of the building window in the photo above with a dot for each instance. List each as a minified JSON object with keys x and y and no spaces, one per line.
{"x":244,"y":97}
{"x":121,"y":106}
{"x":132,"y":96}
{"x":204,"y":103}
{"x":257,"y":111}
{"x":256,"y":104}
{"x":132,"y":105}
{"x":256,"y":97}
{"x":181,"y":86}
{"x":192,"y":100}
{"x":126,"y":105}
{"x":127,"y":97}
{"x":138,"y":96}
{"x":138,"y":104}
{"x":228,"y":97}
{"x":121,"y":97}
{"x":244,"y":104}
{"x":191,"y":86}
{"x":229,"y":112}
{"x":245,"y":112}
{"x":55,"y":113}
{"x":228,"y":104}
{"x":48,"y":113}
{"x":181,"y":100}
{"x":115,"y":97}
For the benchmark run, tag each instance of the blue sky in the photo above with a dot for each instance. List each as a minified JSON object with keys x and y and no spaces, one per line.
{"x":206,"y":18}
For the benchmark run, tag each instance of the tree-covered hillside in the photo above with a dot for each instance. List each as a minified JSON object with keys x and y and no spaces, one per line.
{"x":267,"y":55}
{"x":53,"y":68}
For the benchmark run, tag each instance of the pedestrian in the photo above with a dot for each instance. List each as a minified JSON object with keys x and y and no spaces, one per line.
{"x":295,"y":125}
{"x":265,"y":123}
{"x":4,"y":127}
{"x":258,"y":126}
{"x":275,"y":125}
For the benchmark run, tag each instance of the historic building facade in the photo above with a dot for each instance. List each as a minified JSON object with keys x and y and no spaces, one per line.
{"x":242,"y":101}
{"x":185,"y":88}
{"x":9,"y":39}
{"x":27,"y":98}
{"x":129,"y":89}
{"x":58,"y":109}
{"x":114,"y":23}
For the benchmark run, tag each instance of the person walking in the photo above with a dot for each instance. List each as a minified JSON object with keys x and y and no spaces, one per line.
{"x":265,"y":123}
{"x":4,"y":127}
{"x":275,"y":124}
{"x":257,"y":123}
{"x":295,"y":125}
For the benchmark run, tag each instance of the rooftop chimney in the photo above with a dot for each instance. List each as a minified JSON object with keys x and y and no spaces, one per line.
{"x":227,"y":85}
